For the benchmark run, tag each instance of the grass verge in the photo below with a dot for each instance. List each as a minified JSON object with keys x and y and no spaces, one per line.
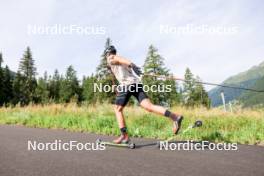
{"x":243,"y":126}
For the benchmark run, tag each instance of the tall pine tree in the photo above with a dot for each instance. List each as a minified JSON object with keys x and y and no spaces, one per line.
{"x":104,"y":76}
{"x":70,"y":89}
{"x":102,"y":71}
{"x":200,"y":95}
{"x":55,"y":86}
{"x":189,"y":88}
{"x":27,"y":70}
{"x":194,"y":93}
{"x":154,"y":65}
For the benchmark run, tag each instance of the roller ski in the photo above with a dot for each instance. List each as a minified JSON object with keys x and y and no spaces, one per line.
{"x":129,"y":144}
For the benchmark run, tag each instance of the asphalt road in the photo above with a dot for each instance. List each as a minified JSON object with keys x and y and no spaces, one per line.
{"x":16,"y":160}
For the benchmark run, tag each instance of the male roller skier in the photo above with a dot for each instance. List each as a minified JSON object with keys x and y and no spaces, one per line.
{"x":131,"y":86}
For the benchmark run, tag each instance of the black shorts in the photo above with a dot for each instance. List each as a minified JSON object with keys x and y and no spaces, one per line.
{"x":124,"y":94}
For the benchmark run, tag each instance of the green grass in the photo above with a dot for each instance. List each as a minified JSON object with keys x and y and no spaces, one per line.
{"x":243,"y":126}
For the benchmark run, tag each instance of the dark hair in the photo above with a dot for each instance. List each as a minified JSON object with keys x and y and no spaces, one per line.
{"x":111,"y":50}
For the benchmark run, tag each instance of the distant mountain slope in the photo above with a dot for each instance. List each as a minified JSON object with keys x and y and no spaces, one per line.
{"x":253,"y":98}
{"x":255,"y":72}
{"x":245,"y":79}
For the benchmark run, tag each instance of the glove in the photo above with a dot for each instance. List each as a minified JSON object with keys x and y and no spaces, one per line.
{"x":136,"y":69}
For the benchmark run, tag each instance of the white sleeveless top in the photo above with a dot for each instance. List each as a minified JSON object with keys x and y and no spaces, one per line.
{"x":123,"y":74}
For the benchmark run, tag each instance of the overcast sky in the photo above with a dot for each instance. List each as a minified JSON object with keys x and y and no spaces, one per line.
{"x":133,"y":26}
